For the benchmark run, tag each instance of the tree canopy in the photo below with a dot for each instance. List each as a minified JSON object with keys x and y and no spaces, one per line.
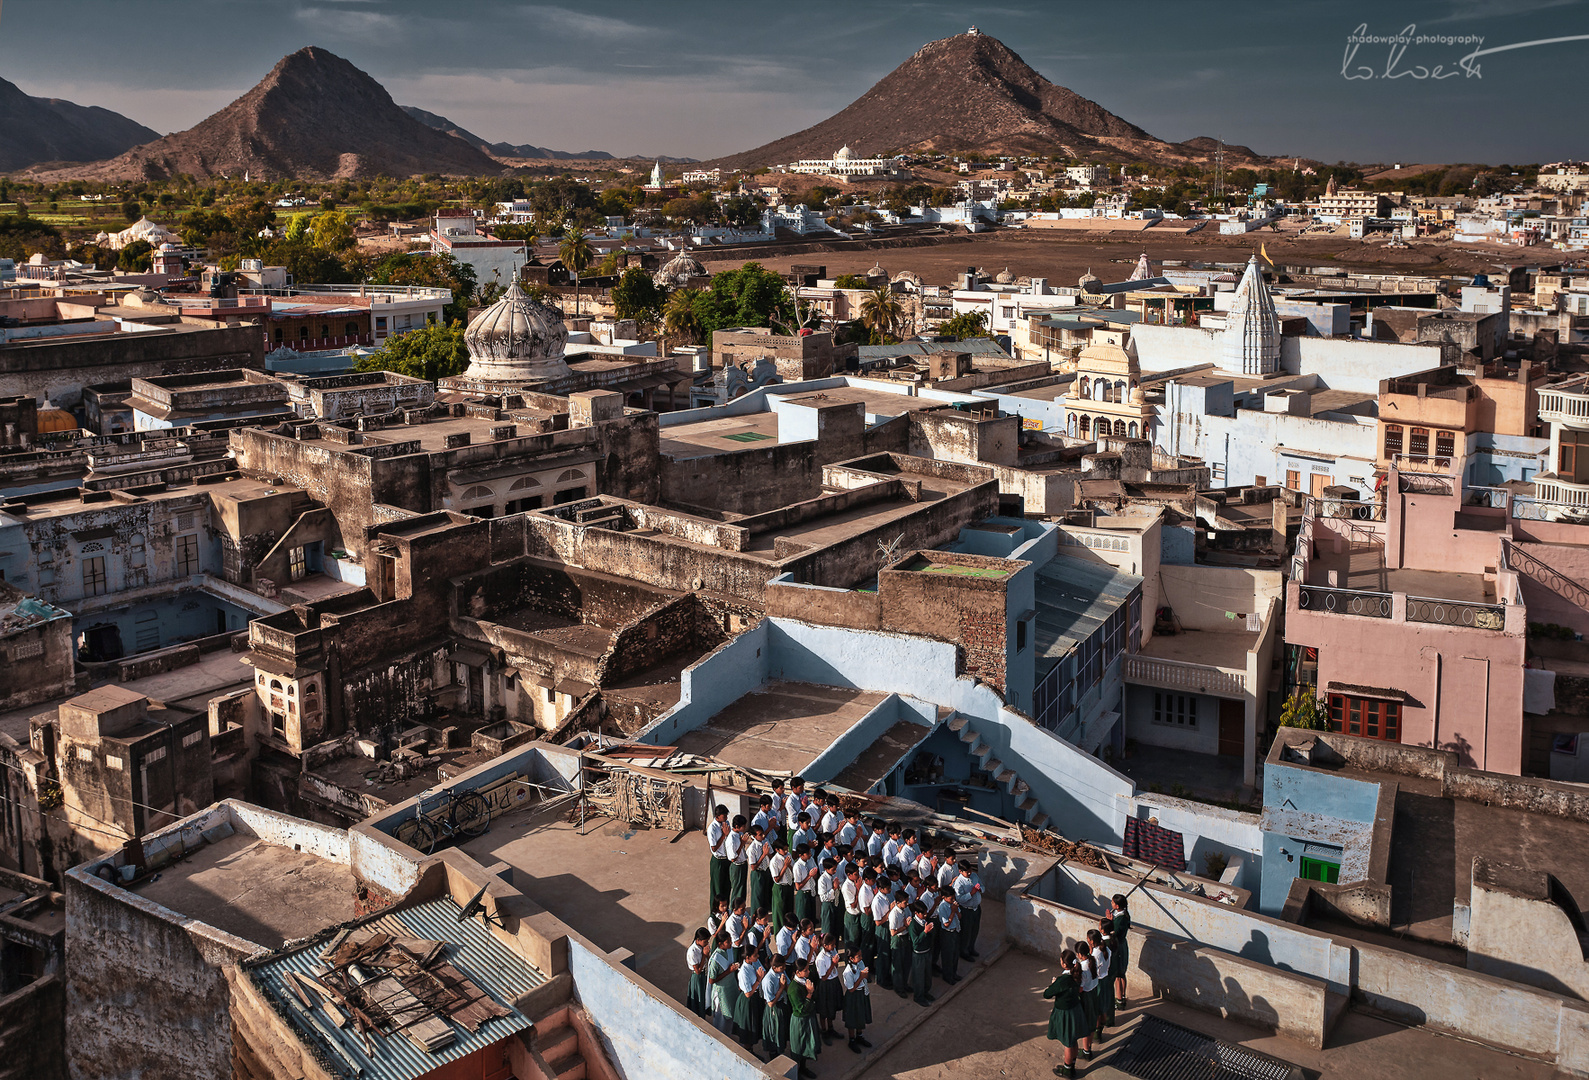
{"x":748,"y":296}
{"x":431,"y":352}
{"x":636,"y":296}
{"x":968,"y":324}
{"x":435,"y":271}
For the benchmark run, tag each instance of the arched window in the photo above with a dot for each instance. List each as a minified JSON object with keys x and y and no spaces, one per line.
{"x":325,"y":330}
{"x":1100,"y":389}
{"x":275,"y":684}
{"x":570,"y":475}
{"x":1086,"y":386}
{"x":1131,"y":430}
{"x":303,"y":333}
{"x":1086,"y":425}
{"x":1120,"y":428}
{"x":1070,"y":426}
{"x":525,"y":482}
{"x":276,"y":337}
{"x":479,"y":491}
{"x":351,"y":329}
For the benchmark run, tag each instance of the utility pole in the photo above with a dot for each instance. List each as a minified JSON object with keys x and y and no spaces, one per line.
{"x":1219,"y":171}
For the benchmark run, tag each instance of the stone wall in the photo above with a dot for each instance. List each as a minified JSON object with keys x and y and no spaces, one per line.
{"x":32,"y":1031}
{"x":57,"y":371}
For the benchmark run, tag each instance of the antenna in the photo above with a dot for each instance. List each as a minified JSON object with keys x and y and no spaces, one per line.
{"x":1219,"y":170}
{"x":477,"y":906}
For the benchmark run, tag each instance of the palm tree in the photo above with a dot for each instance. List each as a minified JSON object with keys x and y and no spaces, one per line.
{"x":577,"y":255}
{"x":881,"y":311}
{"x":678,"y":316}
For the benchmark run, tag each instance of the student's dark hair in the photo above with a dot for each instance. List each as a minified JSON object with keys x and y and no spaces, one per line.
{"x":869,"y":874}
{"x":739,"y":902}
{"x":830,"y":864}
{"x":798,"y":781}
{"x":877,"y":823}
{"x":918,"y":907}
{"x":766,"y":800}
{"x":910,"y":833}
{"x":804,"y":818}
{"x":762,"y":913}
{"x":777,"y":782}
{"x":1085,"y":950}
{"x":777,"y":960}
{"x":900,"y":894}
{"x":701,"y":934}
{"x":722,"y":940}
{"x":739,"y":821}
{"x":893,"y":828}
{"x":1119,"y":900}
{"x":1095,"y":939}
{"x":789,"y":921}
{"x":965,"y":864}
{"x":721,"y":811}
{"x":807,"y":925}
{"x":1068,"y":961}
{"x":802,"y":850}
{"x":778,"y":840}
{"x":759,"y":830}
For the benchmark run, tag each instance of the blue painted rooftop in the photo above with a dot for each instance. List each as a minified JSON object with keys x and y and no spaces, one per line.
{"x":1073,"y":598}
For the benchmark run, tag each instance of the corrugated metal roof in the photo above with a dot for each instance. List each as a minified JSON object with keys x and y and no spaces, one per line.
{"x":978,"y":346}
{"x":473,"y":950}
{"x":1073,"y":597}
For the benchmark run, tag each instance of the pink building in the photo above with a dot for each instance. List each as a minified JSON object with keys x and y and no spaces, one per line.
{"x":1412,"y":615}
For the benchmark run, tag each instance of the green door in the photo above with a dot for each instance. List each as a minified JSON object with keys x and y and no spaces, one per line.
{"x":1319,"y":870}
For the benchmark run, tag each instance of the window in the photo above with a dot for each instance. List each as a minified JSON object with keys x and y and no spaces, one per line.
{"x":1086,"y":386}
{"x":192,"y":738}
{"x":276,"y":337}
{"x":136,"y":554}
{"x":1319,"y":870}
{"x":1393,"y":435}
{"x":1566,"y":458}
{"x":1293,"y":480}
{"x":1020,"y":636}
{"x":1120,"y":428}
{"x":551,"y":695}
{"x":325,"y":330}
{"x":1085,"y":426}
{"x":157,"y":754}
{"x":188,"y":555}
{"x":1445,"y":446}
{"x":84,"y":754}
{"x":296,"y":564}
{"x":1418,"y":444}
{"x":1131,"y":430}
{"x":94,"y":575}
{"x":350,"y":329}
{"x":146,"y":630}
{"x":303,"y":333}
{"x":380,"y":326}
{"x":113,"y":762}
{"x":1174,"y":710}
{"x":1260,"y":481}
{"x":1371,"y":718}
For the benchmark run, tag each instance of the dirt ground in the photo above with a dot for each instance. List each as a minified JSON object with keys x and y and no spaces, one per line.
{"x":1064,"y":257}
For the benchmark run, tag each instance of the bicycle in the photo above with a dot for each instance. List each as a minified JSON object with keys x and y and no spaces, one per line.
{"x":467,"y":814}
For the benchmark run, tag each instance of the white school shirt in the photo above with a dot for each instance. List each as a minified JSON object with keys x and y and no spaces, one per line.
{"x":825,"y":886}
{"x":847,"y":834}
{"x":735,"y":847}
{"x":825,"y":963}
{"x":737,"y":924}
{"x":802,"y":947}
{"x":926,"y":869}
{"x":898,"y":920}
{"x":782,"y":868}
{"x":968,"y":891}
{"x":694,"y":956}
{"x":948,"y":918}
{"x":855,"y":980}
{"x":808,"y":837}
{"x":876,"y":842}
{"x":880,"y":905}
{"x":832,"y":821}
{"x":749,"y":976}
{"x":803,"y":879}
{"x":765,"y":819}
{"x":784,"y":942}
{"x":851,"y":893}
{"x":714,"y":924}
{"x":864,"y":897}
{"x":779,"y":806}
{"x":908,"y":854}
{"x":1103,"y":956}
{"x":891,"y":851}
{"x":947,"y":873}
{"x":753,"y":851}
{"x":715,"y":833}
{"x":771,"y":983}
{"x":1089,"y":981}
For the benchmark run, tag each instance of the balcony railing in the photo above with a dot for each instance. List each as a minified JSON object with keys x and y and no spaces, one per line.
{"x":1179,"y":675}
{"x":1361,"y":602}
{"x":1427,"y":609}
{"x":1420,"y":483}
{"x":1351,"y":509}
{"x":1496,"y":498}
{"x":1565,"y":406}
{"x":1547,"y":510}
{"x":1553,"y":489}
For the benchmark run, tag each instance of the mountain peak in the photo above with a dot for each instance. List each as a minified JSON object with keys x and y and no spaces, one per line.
{"x":314,"y":115}
{"x":36,"y":129}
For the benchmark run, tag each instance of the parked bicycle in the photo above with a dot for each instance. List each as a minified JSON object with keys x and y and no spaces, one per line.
{"x":467,"y":814}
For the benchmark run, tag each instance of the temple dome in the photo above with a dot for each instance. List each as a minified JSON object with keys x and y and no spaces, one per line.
{"x":679,"y":270}
{"x":843,"y":154}
{"x":1089,"y":282}
{"x":516,"y":339}
{"x":876,"y":276}
{"x":1004,"y":277}
{"x":1252,"y":327}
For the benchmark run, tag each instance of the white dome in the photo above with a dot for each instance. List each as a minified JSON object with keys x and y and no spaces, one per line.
{"x":1089,"y":281}
{"x":877,"y":275}
{"x":516,"y":339}
{"x":843,"y":154}
{"x":1004,"y":277}
{"x":679,"y":270}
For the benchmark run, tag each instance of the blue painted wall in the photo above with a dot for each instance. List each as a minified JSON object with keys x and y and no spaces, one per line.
{"x":1314,"y":792}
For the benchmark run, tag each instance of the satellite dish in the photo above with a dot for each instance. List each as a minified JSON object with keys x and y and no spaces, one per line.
{"x":475,"y":905}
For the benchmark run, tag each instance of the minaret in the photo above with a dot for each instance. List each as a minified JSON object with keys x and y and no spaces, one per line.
{"x":1252,"y":329}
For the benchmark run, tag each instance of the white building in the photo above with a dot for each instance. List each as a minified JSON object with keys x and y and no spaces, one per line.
{"x":1252,"y":329}
{"x":493,"y":260}
{"x":1086,"y":176}
{"x":1564,"y":176}
{"x":845,"y":164}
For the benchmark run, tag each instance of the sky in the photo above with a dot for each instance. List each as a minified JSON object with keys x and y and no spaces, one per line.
{"x":701,"y":78}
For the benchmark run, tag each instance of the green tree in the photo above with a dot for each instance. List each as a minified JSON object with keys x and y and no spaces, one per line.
{"x":435,"y":271}
{"x":636,"y":296}
{"x":297,"y":228}
{"x":136,"y":257}
{"x":969,"y":324}
{"x":131,"y":209}
{"x":679,"y":320}
{"x":333,"y":231}
{"x":431,"y":352}
{"x":882,"y":313}
{"x":748,"y":296}
{"x":849,"y":281}
{"x":577,"y":255}
{"x":1305,"y":710}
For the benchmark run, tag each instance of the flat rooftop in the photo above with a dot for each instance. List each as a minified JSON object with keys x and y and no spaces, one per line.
{"x":239,"y":488}
{"x":1214,"y":648}
{"x":782,"y":727}
{"x":831,"y":528}
{"x":256,"y":890}
{"x":432,"y":436}
{"x":724,"y":433}
{"x":877,"y":402}
{"x":1365,"y":569}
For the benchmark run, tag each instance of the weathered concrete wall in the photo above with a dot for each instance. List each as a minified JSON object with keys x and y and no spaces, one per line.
{"x":1519,"y":928}
{"x":32,"y":1031}
{"x":1250,"y":992}
{"x":146,"y":995}
{"x":57,"y":371}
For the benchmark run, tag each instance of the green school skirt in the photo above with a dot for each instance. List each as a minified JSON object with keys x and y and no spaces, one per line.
{"x":1106,"y":1002}
{"x":857,"y":1009}
{"x":747,"y":1013}
{"x":775,"y":1027}
{"x":805,"y":1037}
{"x":1119,"y":957}
{"x":830,"y":997}
{"x":696,"y":998}
{"x":1066,"y":1026}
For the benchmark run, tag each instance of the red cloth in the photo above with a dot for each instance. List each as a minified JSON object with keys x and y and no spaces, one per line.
{"x":1153,"y":843}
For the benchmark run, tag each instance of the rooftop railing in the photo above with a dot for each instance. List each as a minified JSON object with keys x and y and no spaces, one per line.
{"x":1335,"y":601}
{"x":1427,"y":609}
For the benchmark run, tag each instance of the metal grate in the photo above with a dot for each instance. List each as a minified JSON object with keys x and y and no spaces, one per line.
{"x":1160,"y":1050}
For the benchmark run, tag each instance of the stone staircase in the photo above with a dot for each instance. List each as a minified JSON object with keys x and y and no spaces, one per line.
{"x":1006,"y":777}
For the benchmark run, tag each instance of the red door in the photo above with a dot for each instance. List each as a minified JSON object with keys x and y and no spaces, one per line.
{"x":1232,"y":728}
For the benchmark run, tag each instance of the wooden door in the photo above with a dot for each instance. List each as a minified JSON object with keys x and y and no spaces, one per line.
{"x":1318,"y":481}
{"x":1232,"y":728}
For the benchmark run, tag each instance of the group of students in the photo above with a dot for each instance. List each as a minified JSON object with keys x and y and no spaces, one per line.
{"x":1090,"y":985}
{"x":809,"y":908}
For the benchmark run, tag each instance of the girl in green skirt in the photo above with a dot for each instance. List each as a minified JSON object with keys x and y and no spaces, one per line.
{"x":1092,"y":977}
{"x":695,"y":958}
{"x":1066,"y":1023}
{"x":722,"y":973}
{"x":775,"y":1008}
{"x":805,"y":1037}
{"x":747,"y":1005}
{"x":1119,"y":923}
{"x":1104,"y":955}
{"x":830,"y":991}
{"x":857,"y":999}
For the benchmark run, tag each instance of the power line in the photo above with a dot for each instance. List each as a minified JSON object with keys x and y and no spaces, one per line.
{"x":131,"y":802}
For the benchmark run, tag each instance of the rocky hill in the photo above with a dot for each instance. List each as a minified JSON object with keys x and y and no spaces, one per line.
{"x":36,"y":129}
{"x":315,"y":116}
{"x":969,"y":93}
{"x":501,"y":149}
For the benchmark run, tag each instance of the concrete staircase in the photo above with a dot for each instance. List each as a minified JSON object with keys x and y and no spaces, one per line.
{"x":1006,"y":777}
{"x":565,"y":1046}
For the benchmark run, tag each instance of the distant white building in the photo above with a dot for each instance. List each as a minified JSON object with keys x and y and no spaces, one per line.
{"x":703,"y":176}
{"x":846,"y":164}
{"x":493,"y":260}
